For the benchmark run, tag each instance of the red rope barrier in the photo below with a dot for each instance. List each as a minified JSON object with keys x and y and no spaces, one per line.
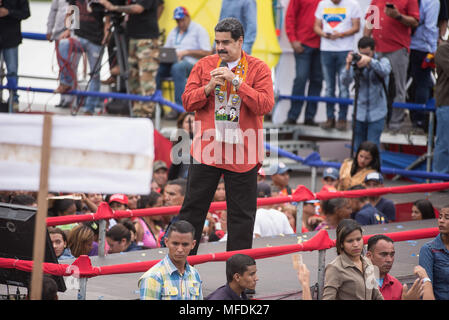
{"x":83,"y":268}
{"x":301,"y":194}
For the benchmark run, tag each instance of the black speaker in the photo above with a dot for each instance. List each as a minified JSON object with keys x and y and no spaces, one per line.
{"x":16,"y":242}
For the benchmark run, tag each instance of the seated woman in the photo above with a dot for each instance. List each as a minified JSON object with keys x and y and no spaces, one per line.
{"x":367,"y":160}
{"x":423,"y":209}
{"x":149,"y":228}
{"x":80,"y":240}
{"x":350,"y":276}
{"x":121,"y":238}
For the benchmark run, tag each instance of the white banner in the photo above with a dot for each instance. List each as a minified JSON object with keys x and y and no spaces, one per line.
{"x":88,"y":154}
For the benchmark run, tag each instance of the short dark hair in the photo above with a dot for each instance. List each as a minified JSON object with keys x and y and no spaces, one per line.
{"x":375,"y":239}
{"x":120,"y":231}
{"x":181,"y":226}
{"x":232,"y":25}
{"x":366,"y":42}
{"x":238,"y":263}
{"x":344,"y":228}
{"x":180,"y":182}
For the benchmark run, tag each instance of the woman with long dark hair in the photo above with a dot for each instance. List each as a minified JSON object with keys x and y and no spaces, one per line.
{"x":350,"y":276}
{"x":423,"y":209}
{"x":354,"y":171}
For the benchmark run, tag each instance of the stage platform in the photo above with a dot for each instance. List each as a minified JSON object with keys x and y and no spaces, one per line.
{"x":277,"y":278}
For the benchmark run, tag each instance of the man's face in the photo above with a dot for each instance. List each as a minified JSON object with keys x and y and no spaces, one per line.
{"x":330,"y":181}
{"x":172,"y":195}
{"x":281,"y":180}
{"x":179,"y":246}
{"x":371,"y":184}
{"x":117,"y":206}
{"x":248,"y":279}
{"x":58,"y":243}
{"x":367,"y":51}
{"x":227,"y":48}
{"x":443,"y":221}
{"x":183,"y":23}
{"x":382,"y":256}
{"x":161,"y":177}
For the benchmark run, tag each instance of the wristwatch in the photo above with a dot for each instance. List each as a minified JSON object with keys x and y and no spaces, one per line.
{"x":424,"y":280}
{"x":399,"y":17}
{"x":235,"y":81}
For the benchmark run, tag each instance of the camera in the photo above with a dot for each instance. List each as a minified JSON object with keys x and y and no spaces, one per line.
{"x":356,"y":57}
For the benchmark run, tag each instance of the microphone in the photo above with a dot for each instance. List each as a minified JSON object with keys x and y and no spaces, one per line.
{"x":217,"y":87}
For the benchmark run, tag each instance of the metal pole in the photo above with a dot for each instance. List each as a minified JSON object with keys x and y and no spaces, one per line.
{"x":313,"y":182}
{"x":101,"y":238}
{"x":157,"y":117}
{"x":299,"y":209}
{"x":430,"y":142}
{"x":82,"y":289}
{"x":321,"y":268}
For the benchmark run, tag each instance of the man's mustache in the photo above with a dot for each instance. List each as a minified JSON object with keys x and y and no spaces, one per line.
{"x":222,"y":51}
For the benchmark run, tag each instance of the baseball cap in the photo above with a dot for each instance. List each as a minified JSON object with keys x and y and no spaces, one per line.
{"x":331,"y":173}
{"x":180,"y":12}
{"x":279,"y":168}
{"x":159,"y":164}
{"x":376,"y":176}
{"x":119,"y":197}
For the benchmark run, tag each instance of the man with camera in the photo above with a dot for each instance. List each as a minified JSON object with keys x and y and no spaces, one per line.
{"x":370,"y":71}
{"x":143,"y":53}
{"x":392,"y":32}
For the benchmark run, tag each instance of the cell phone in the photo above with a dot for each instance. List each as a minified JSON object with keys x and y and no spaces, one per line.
{"x":390,"y":5}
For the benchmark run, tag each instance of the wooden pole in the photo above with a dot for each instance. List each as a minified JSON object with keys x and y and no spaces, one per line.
{"x":42,"y":207}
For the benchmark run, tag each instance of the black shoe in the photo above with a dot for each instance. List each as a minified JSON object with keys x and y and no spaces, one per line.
{"x":290,"y":121}
{"x":310,"y":122}
{"x":63,"y":105}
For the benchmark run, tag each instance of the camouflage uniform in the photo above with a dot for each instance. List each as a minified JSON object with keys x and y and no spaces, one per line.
{"x":143,"y":63}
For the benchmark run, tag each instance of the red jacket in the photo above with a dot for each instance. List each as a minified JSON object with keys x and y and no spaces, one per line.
{"x":391,"y":35}
{"x":257,"y":96}
{"x":299,"y":20}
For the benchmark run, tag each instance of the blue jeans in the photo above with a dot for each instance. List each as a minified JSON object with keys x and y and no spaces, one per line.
{"x":423,"y":85}
{"x":333,"y":63}
{"x":11,"y":57}
{"x":179,"y":72}
{"x":368,"y":131}
{"x":93,"y":55}
{"x":308,"y":67}
{"x":441,"y":152}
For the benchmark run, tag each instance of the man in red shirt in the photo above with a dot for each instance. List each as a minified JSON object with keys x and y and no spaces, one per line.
{"x":390,"y":23}
{"x":299,"y":20}
{"x":381,"y":253}
{"x":229,"y":92}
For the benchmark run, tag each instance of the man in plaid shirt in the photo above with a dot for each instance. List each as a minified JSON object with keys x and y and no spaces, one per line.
{"x":173,"y":278}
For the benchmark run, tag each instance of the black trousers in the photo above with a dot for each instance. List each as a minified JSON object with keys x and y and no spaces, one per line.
{"x":241,"y":201}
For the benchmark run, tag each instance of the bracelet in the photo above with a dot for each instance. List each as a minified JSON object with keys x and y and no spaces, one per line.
{"x":424,"y":280}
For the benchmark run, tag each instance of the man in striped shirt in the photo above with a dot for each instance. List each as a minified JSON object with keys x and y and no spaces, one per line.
{"x":173,"y":278}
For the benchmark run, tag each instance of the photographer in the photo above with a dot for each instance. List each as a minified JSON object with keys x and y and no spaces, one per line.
{"x":370,"y":71}
{"x":143,"y":53}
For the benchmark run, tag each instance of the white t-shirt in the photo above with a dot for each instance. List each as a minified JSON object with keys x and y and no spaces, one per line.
{"x":271,"y":222}
{"x":338,"y":18}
